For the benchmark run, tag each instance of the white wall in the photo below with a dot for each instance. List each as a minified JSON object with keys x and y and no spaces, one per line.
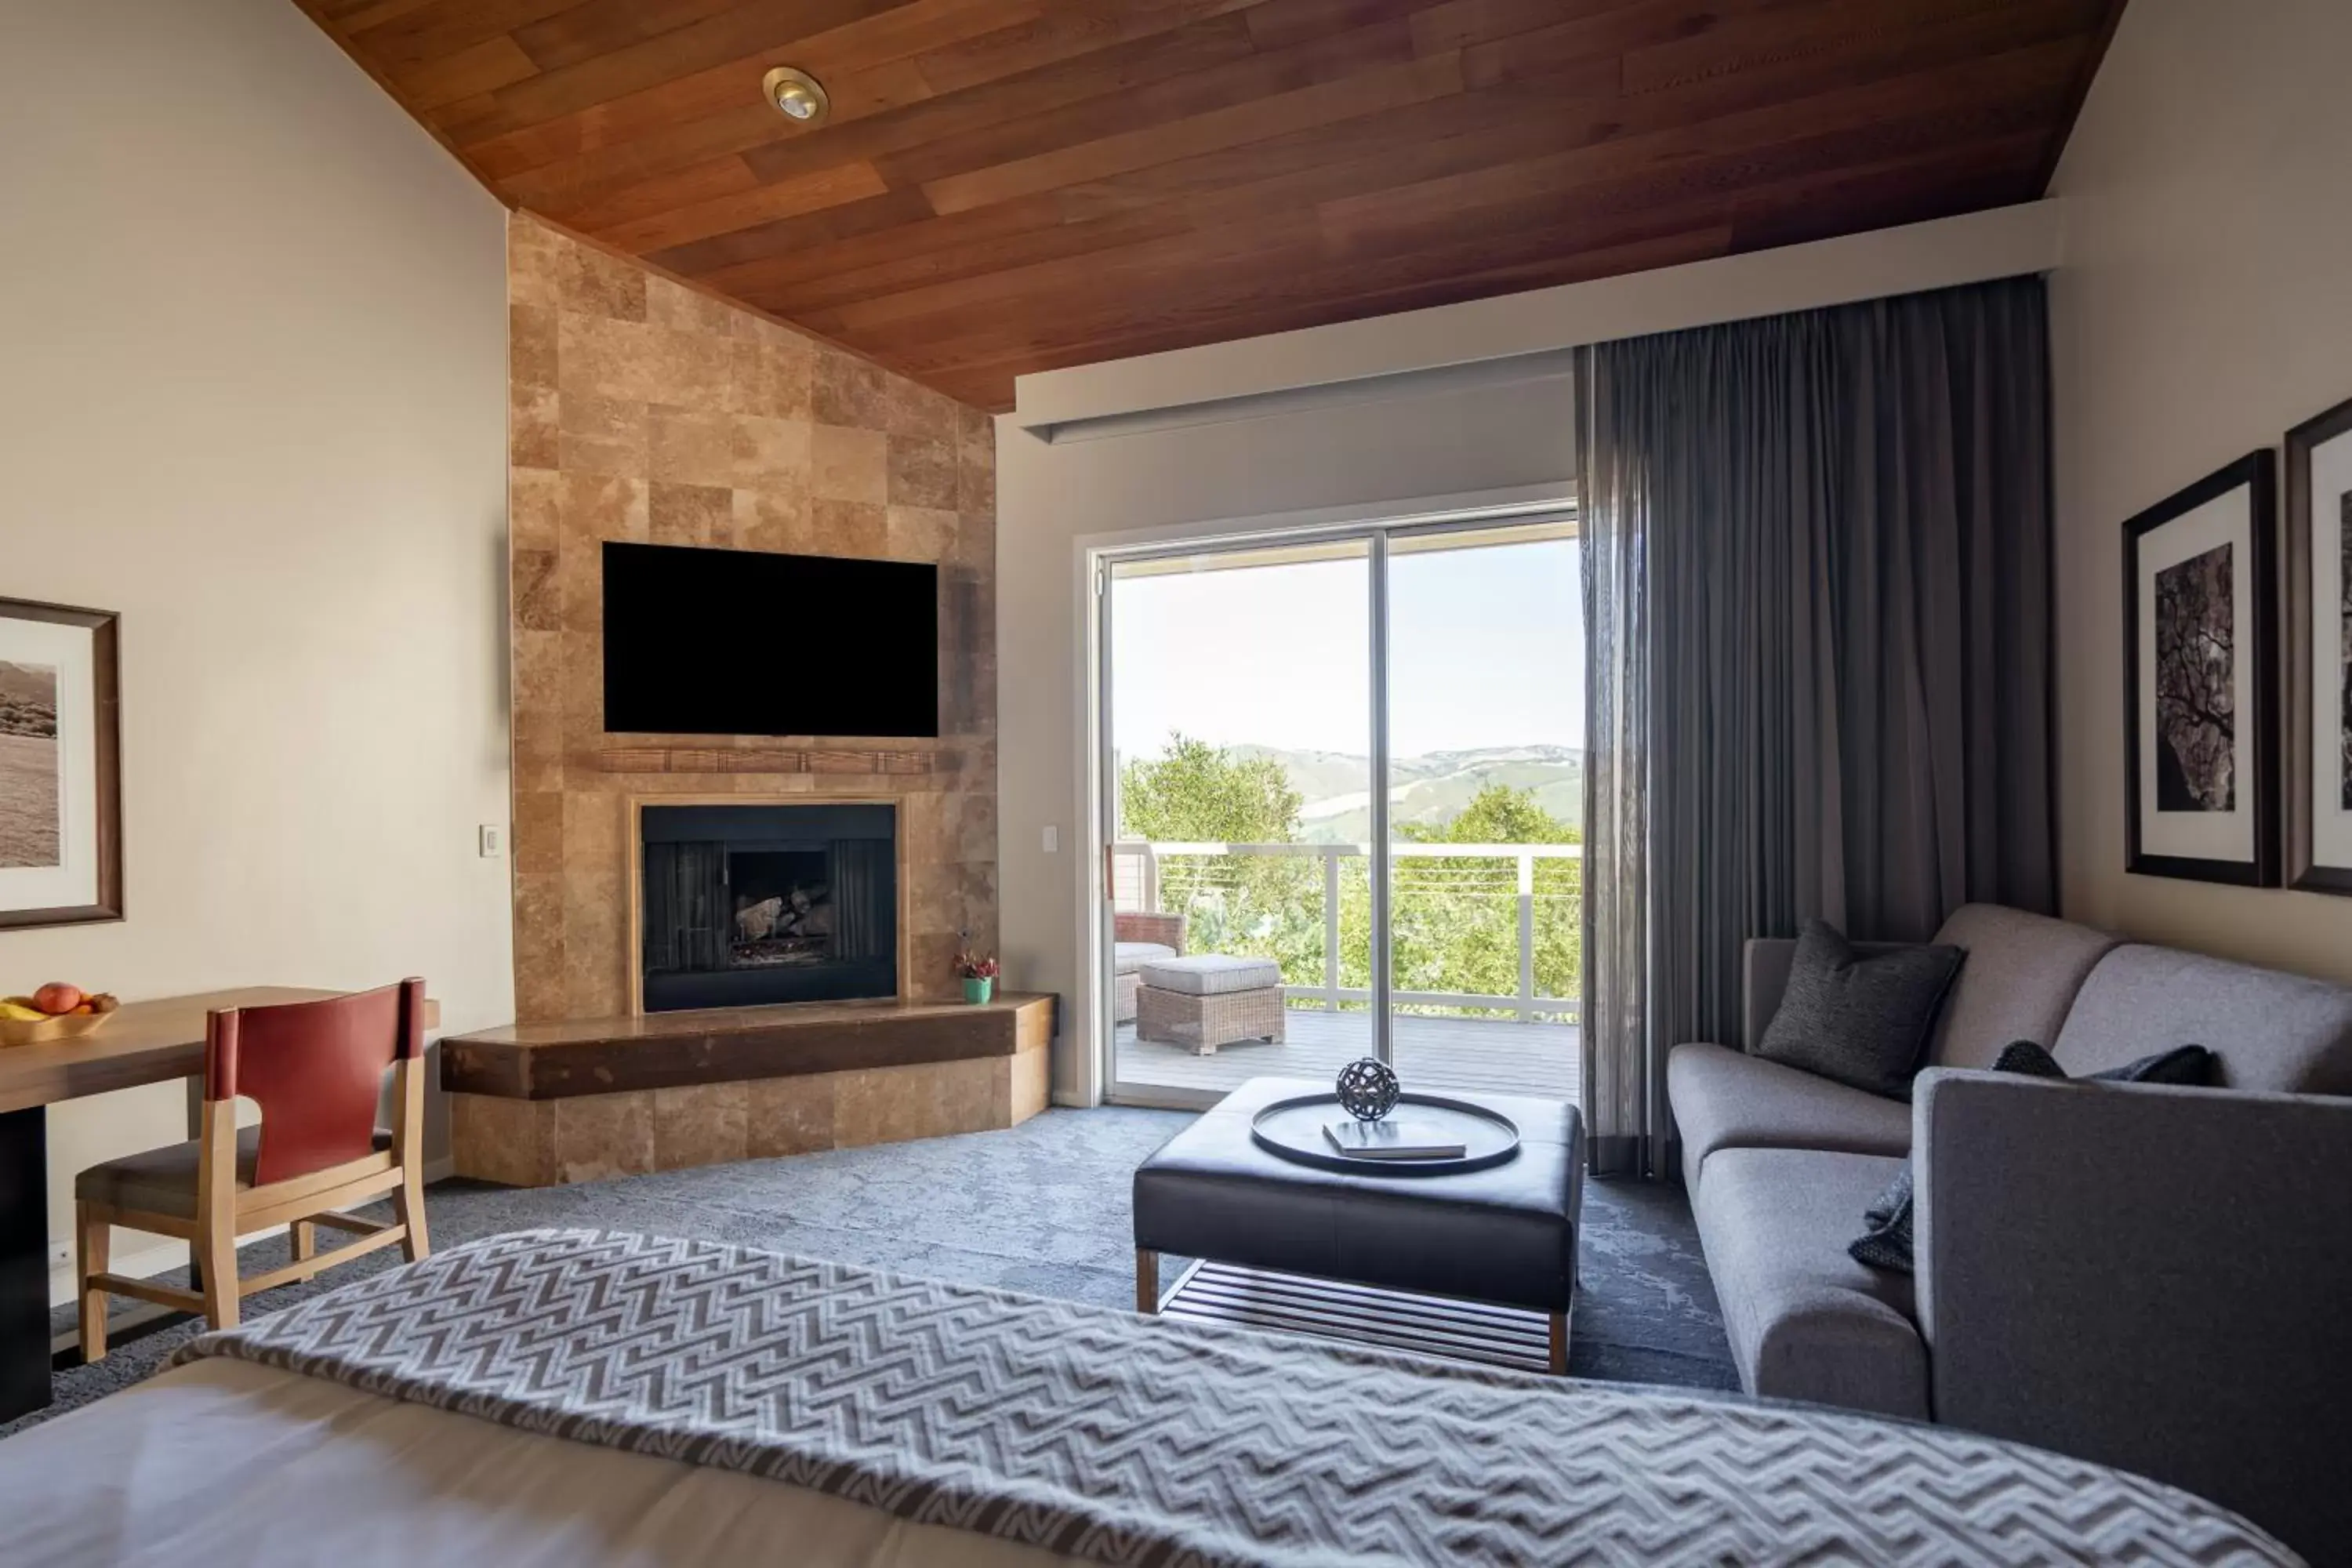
{"x":2205,"y":306}
{"x":252,"y":396}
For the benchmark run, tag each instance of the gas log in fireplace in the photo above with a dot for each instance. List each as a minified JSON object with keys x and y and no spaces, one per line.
{"x":748,"y":904}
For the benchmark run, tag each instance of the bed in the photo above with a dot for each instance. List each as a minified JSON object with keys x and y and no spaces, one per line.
{"x":584,"y":1398}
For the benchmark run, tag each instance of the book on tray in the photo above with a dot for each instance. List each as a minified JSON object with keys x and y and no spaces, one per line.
{"x":1393,"y":1138}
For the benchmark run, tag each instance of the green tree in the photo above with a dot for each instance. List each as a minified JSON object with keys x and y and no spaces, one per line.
{"x":1195,"y":793}
{"x":1497,"y":813}
{"x":1455,"y":920}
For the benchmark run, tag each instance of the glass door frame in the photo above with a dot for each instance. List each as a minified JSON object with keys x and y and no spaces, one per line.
{"x":1375,"y":531}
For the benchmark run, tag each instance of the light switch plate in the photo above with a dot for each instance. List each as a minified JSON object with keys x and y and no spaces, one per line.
{"x":1052,"y":838}
{"x":491,"y":840}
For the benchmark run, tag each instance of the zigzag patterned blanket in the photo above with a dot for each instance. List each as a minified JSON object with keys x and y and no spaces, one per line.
{"x":1132,"y":1440}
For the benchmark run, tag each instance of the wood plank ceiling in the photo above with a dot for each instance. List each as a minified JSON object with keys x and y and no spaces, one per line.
{"x":1013,"y":186}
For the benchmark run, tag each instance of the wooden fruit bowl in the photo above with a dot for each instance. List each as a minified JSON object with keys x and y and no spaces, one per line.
{"x":41,"y":1031}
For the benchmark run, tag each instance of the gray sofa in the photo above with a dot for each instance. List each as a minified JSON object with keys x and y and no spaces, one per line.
{"x":2158,"y":1279}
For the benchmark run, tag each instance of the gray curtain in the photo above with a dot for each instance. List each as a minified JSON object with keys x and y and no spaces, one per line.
{"x":1817,"y":592}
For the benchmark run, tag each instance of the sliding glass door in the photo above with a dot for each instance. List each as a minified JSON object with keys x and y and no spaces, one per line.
{"x":1340,"y":779}
{"x":1238,"y":775}
{"x":1486,"y":803}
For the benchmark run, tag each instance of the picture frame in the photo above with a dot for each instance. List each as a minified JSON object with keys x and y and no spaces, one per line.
{"x":2201,"y":681}
{"x":2318,"y":673}
{"x":60,"y":781}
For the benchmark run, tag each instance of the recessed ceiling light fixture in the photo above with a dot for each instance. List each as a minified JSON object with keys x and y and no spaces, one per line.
{"x":798,"y":96}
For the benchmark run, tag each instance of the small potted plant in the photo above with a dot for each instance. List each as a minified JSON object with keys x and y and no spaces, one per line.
{"x":978,"y":975}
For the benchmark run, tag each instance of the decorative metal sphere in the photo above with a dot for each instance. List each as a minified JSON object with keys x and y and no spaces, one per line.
{"x":1368,"y":1089}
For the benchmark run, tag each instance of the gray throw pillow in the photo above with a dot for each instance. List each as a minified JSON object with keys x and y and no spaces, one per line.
{"x":1886,"y":1241}
{"x":1886,"y":1244}
{"x":2184,"y":1066}
{"x":1862,"y":1021}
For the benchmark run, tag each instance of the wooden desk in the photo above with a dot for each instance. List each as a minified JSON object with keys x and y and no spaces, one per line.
{"x":148,"y":1042}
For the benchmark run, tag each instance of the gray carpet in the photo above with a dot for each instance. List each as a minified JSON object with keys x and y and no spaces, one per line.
{"x":1041,"y":1209}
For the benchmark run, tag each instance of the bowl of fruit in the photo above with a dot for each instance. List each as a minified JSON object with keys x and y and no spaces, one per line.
{"x":56,"y":1012}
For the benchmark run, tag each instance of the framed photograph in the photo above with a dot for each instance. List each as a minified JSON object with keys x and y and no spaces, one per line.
{"x":2319,"y":652}
{"x":60,"y":793}
{"x":2200,"y":692}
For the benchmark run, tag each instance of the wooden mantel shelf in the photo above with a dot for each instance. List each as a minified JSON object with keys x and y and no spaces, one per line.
{"x":721,"y":1044}
{"x":851,"y":760}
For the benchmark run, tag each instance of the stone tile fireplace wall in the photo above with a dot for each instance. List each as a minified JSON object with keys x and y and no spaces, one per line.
{"x":643,"y":410}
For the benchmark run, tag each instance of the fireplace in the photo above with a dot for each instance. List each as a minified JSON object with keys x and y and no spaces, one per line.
{"x":747,"y":904}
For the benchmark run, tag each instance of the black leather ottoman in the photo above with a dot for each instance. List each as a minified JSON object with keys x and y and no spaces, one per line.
{"x":1505,"y":1235}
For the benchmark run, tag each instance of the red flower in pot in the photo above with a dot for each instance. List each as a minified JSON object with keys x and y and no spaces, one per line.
{"x":978,"y":975}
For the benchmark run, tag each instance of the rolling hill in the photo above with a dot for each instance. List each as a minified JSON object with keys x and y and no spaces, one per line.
{"x":1435,"y":787}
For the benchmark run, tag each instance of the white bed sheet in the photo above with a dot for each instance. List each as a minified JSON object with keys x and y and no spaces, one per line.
{"x":224,"y":1461}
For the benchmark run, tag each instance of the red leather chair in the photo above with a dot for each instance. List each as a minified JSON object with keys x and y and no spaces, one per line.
{"x":316,"y":1070}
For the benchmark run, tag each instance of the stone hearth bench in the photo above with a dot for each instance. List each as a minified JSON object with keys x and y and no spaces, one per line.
{"x":535,"y":1105}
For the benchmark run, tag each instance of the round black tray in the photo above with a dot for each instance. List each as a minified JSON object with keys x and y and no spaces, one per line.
{"x":1294,"y":1130}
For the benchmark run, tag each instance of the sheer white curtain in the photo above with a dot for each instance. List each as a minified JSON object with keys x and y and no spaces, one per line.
{"x":1612,"y":506}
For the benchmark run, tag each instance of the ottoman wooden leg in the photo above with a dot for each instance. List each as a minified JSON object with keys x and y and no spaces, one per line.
{"x":1558,"y":1357}
{"x":1147,"y":1280}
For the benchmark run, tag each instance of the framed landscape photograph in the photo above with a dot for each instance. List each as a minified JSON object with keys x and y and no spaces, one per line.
{"x":60,"y":795}
{"x":2319,"y":652}
{"x":2200,"y":691}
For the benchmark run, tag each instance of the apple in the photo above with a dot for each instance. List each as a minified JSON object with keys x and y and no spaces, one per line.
{"x":57,"y":997}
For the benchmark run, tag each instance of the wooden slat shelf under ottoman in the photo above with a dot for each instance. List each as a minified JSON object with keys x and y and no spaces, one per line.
{"x":540,"y":1104}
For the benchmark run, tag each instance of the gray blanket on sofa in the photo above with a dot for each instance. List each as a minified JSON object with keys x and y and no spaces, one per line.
{"x":1136,"y":1440}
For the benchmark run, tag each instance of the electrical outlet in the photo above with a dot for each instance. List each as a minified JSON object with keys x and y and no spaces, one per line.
{"x":491,"y":840}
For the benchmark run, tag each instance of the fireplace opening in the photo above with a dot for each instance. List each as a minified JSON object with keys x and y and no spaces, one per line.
{"x":750,"y":904}
{"x":783,"y":908}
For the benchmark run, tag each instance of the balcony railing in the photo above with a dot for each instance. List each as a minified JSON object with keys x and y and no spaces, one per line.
{"x":1477,"y":928}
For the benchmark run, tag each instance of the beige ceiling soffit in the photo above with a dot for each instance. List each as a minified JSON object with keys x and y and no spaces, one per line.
{"x":2004,"y":242}
{"x":1515,"y":370}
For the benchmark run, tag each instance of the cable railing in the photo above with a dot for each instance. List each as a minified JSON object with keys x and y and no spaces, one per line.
{"x":1480,"y":930}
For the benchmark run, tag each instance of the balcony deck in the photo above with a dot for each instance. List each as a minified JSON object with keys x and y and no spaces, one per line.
{"x":1498,"y":1056}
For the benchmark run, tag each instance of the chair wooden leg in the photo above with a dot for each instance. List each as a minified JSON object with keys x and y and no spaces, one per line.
{"x":408,"y":1207}
{"x":1147,"y":1280}
{"x":302,"y":1242}
{"x":217,"y":1249}
{"x":408,"y":1141}
{"x":95,"y":1237}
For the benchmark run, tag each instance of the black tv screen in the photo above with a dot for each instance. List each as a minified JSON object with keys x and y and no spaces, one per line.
{"x":743,"y":642}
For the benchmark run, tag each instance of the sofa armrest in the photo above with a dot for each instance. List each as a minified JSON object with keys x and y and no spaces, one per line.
{"x":1133,"y":925}
{"x":2154,"y":1279}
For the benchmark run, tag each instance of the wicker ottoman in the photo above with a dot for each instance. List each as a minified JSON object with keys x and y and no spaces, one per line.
{"x":1209,"y":1000}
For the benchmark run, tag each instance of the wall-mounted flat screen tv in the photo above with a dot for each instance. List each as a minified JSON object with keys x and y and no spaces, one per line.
{"x":744,"y":642}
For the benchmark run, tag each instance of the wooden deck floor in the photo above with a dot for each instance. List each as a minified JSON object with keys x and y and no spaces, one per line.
{"x":1499,"y":1056}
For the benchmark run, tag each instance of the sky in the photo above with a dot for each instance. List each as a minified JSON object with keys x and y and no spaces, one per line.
{"x":1486,"y":648}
